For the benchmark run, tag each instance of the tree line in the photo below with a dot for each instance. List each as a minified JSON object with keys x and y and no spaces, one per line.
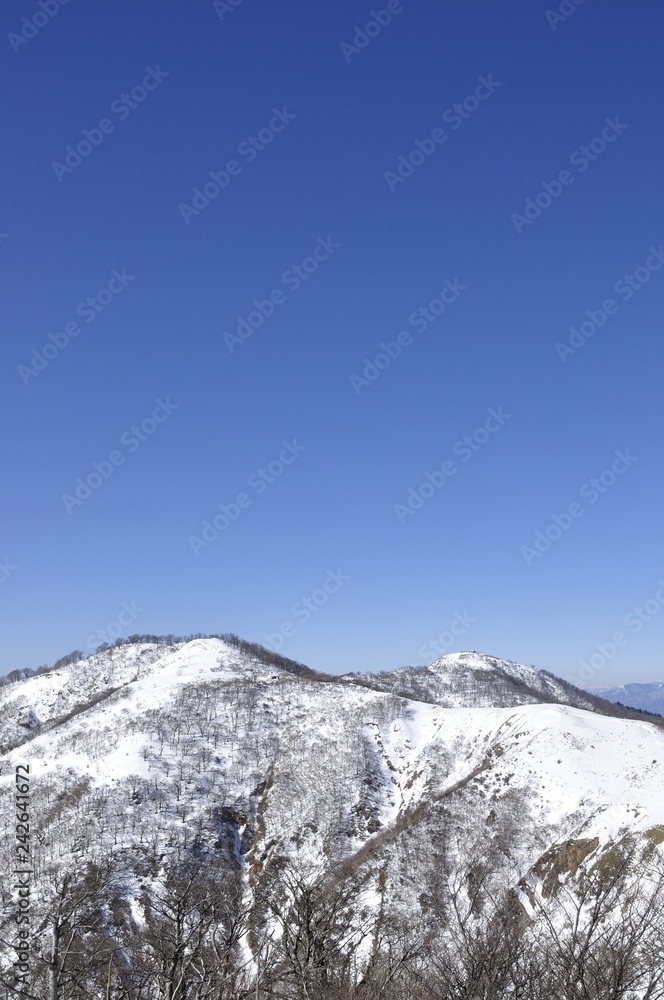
{"x":308,"y":933}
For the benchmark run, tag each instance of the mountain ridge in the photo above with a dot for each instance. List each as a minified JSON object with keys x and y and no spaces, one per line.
{"x":445,"y":681}
{"x":150,"y":758}
{"x":646,"y":697}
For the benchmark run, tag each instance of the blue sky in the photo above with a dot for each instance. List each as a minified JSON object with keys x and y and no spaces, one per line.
{"x":367,"y":216}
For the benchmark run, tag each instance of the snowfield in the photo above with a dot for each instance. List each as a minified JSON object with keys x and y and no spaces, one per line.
{"x":150,"y":752}
{"x":565,"y":758}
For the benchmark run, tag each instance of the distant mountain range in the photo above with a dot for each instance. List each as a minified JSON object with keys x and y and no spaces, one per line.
{"x":647,"y":697}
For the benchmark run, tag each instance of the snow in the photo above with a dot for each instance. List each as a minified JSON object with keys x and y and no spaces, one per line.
{"x":328,"y":765}
{"x":574,"y":754}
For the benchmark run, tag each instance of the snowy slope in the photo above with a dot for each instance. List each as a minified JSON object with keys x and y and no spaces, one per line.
{"x":152,"y":752}
{"x":473,"y":679}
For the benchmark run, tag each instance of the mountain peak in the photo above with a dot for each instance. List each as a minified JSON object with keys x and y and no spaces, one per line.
{"x":212,"y":756}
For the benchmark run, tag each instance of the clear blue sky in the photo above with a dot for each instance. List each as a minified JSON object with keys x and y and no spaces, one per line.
{"x":179,"y":90}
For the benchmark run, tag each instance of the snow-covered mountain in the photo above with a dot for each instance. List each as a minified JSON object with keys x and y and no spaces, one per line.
{"x":647,"y":697}
{"x":473,"y":787}
{"x":474,"y":679}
